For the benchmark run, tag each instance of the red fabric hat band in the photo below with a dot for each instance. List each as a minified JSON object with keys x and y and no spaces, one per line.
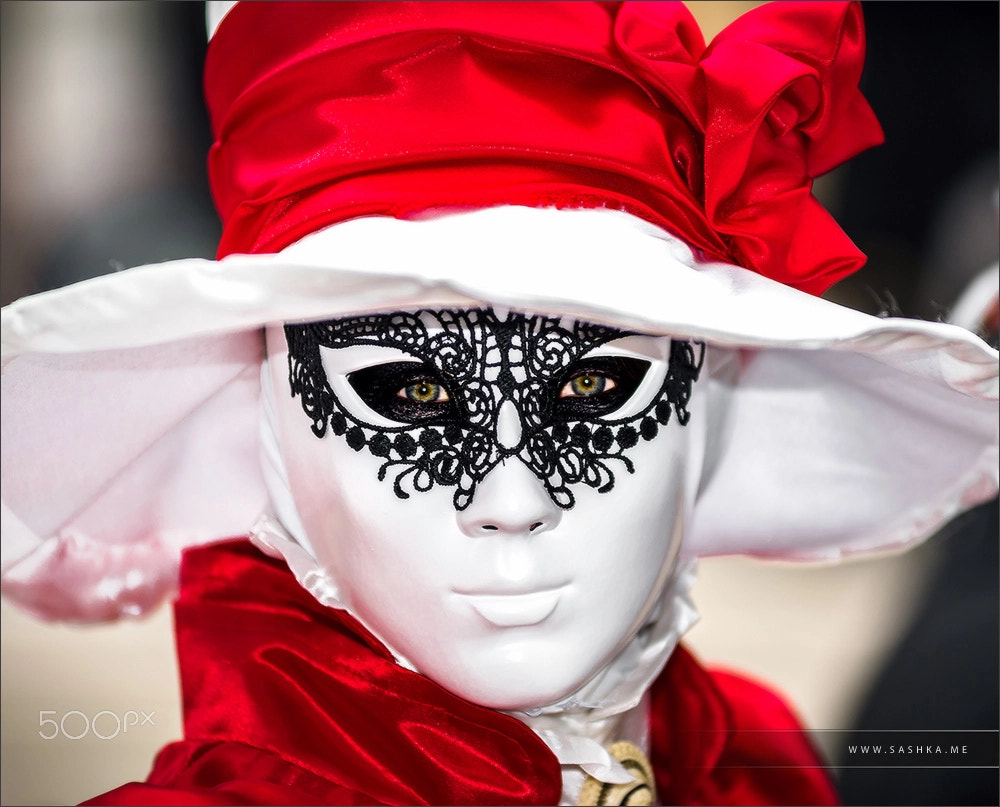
{"x":328,"y":111}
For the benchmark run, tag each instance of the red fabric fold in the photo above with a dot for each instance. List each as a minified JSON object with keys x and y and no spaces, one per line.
{"x":719,"y":738}
{"x":329,"y":111}
{"x":287,"y":701}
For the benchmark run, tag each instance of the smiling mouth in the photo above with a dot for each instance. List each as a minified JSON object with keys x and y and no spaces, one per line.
{"x":515,"y":610}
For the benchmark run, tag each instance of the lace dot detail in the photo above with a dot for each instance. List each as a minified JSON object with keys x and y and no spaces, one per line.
{"x":627,"y":437}
{"x":355,"y":438}
{"x":648,"y":428}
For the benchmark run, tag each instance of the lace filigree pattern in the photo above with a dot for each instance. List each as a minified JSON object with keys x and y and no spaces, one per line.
{"x":488,"y":364}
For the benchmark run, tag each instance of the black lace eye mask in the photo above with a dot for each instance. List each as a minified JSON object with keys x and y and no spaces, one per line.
{"x":479,"y":390}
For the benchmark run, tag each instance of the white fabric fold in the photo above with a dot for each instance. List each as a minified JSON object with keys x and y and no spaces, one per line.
{"x":580,"y":757}
{"x":592,"y":757}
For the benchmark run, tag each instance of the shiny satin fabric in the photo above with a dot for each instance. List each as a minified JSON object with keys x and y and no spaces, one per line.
{"x":328,"y":111}
{"x":289,"y":702}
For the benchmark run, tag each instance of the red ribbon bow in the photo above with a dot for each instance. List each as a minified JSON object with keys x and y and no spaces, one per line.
{"x":775,"y":97}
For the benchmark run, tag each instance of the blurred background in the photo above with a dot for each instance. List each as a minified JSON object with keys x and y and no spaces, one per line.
{"x":103,"y":138}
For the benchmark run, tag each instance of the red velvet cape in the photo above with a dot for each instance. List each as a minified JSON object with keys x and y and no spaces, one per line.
{"x":290,"y":702}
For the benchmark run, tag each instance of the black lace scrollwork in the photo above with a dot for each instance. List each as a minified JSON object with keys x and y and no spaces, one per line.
{"x":483,"y":362}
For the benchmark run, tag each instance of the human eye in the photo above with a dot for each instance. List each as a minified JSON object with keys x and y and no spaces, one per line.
{"x":424,"y":391}
{"x":405,"y":392}
{"x":599,"y":385}
{"x":587,"y":384}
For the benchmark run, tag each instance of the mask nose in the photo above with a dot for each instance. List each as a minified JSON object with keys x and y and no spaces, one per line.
{"x":508,"y":426}
{"x":511,"y":500}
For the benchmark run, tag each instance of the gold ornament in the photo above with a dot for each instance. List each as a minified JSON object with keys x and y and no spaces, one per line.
{"x":640,"y":791}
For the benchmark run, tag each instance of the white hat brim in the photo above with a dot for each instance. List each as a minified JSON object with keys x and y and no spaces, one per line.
{"x":130,"y":421}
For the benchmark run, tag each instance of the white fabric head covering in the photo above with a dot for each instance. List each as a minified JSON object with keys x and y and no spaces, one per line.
{"x":130,"y":402}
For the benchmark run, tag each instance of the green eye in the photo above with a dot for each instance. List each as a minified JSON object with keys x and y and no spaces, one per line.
{"x":424,"y":391}
{"x":586,"y":385}
{"x":405,"y":392}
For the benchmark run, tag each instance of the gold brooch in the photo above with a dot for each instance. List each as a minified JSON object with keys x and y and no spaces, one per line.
{"x":640,"y":792}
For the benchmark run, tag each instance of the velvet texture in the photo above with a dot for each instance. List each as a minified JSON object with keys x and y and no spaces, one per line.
{"x":329,"y":111}
{"x":289,"y":702}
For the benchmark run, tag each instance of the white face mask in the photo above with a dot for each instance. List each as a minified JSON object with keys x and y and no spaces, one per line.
{"x":500,"y":498}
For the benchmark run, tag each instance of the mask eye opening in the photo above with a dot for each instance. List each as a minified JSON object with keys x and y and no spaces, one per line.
{"x":615,"y":380}
{"x":404,"y":392}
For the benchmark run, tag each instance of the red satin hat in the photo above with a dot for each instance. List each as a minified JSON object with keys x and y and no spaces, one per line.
{"x":329,"y":111}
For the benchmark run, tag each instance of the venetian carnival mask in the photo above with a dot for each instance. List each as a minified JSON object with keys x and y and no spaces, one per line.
{"x":499,"y":496}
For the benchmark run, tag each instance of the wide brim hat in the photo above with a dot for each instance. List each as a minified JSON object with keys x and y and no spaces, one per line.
{"x":590,"y":160}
